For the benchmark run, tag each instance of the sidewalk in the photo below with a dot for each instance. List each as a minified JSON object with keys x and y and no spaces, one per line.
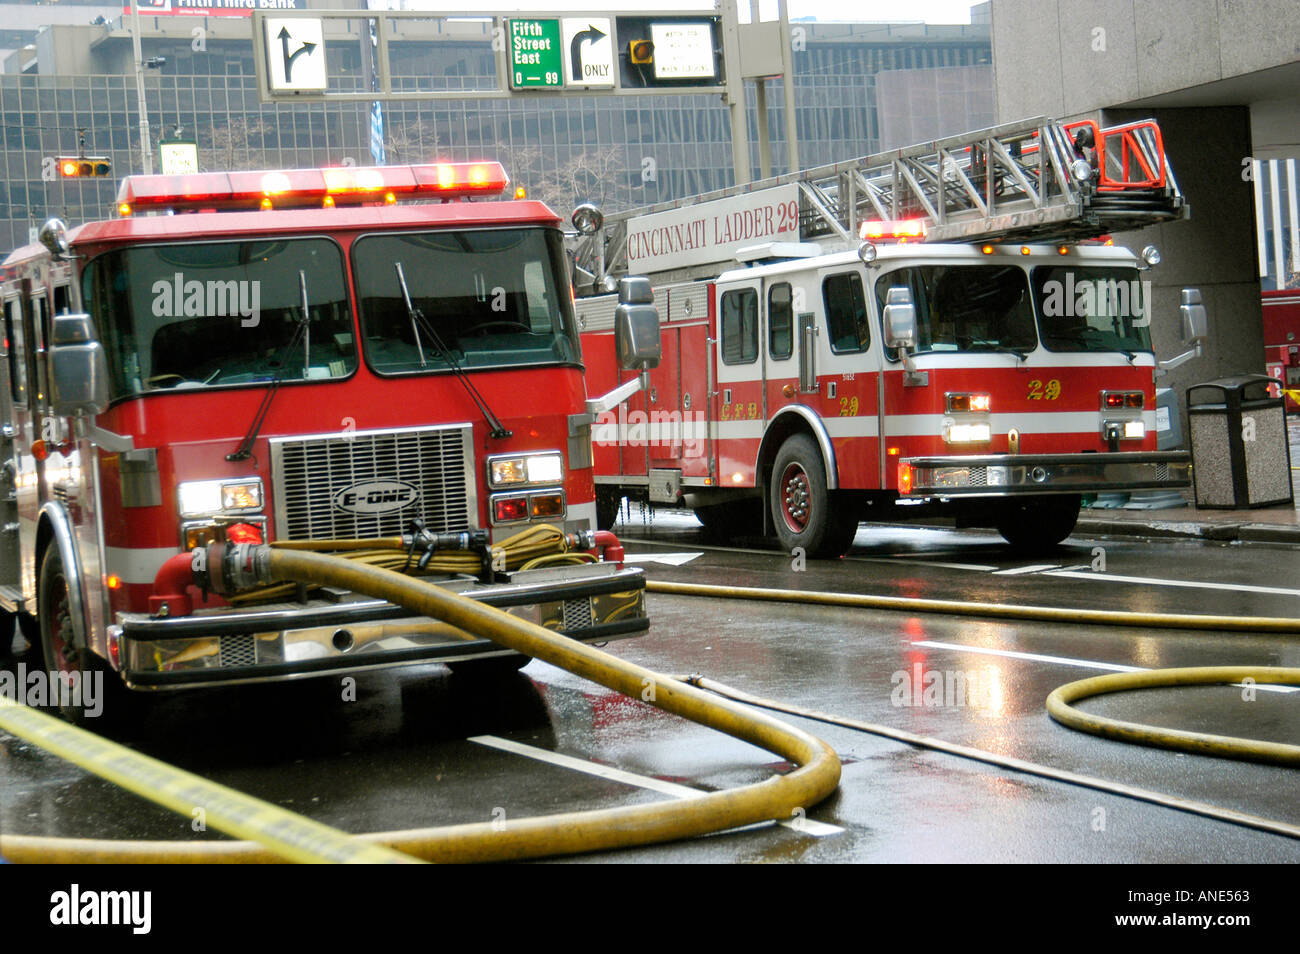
{"x":1264,"y":525}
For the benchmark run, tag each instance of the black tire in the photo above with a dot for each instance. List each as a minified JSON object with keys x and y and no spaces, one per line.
{"x":608,"y":505}
{"x":725,"y":521}
{"x":804,"y":512}
{"x":63,"y":655}
{"x":496,"y":667}
{"x":1032,"y":526}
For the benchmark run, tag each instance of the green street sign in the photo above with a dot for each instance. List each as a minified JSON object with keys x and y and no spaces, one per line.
{"x":536,"y":60}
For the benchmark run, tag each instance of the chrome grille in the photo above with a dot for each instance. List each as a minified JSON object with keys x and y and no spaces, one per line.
{"x":310,"y":474}
{"x":577,"y":614}
{"x":979,"y":476}
{"x":238,"y":651}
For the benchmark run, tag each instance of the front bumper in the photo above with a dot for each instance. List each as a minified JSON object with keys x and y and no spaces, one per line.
{"x":1016,"y":475}
{"x":344,"y":632}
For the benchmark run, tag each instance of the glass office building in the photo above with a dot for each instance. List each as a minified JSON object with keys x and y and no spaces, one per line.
{"x":76,"y":81}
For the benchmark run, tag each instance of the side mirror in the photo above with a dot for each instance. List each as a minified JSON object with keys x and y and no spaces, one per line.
{"x":1196,"y":323}
{"x":78,"y":368}
{"x":587,"y":219}
{"x":636,"y":325}
{"x":900,"y":318}
{"x":53,"y":235}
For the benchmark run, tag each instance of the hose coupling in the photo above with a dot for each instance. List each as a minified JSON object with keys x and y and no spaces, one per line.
{"x":227,"y":568}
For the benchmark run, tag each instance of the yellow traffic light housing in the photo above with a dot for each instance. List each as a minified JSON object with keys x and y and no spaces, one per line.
{"x":85,"y":167}
{"x":640,"y":52}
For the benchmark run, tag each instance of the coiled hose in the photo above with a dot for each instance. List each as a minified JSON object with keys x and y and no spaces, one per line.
{"x":776,"y":798}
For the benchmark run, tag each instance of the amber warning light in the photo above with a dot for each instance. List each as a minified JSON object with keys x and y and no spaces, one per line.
{"x":322,"y":188}
{"x":901,"y":231}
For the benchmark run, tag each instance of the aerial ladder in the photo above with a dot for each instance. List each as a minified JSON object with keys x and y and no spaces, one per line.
{"x":1036,"y":179}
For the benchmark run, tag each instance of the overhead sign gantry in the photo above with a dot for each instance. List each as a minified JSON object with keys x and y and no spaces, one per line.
{"x":685,"y":52}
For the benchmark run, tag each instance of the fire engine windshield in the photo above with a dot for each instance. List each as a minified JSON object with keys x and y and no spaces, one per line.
{"x":965,"y":308}
{"x":491,"y":297}
{"x":1091,"y":308}
{"x":219,"y":314}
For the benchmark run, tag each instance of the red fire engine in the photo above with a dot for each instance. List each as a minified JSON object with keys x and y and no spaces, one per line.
{"x":1282,"y":341}
{"x":976,"y":356}
{"x":386,"y":355}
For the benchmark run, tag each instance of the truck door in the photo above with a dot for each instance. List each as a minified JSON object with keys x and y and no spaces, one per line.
{"x":738,"y":408}
{"x":847,"y":358}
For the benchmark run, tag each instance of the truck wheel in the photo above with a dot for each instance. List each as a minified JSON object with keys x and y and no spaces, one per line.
{"x":725,"y":521}
{"x":805,"y":513}
{"x":94,"y":682}
{"x":1035,"y":525}
{"x":608,"y":504}
{"x":497,"y":667}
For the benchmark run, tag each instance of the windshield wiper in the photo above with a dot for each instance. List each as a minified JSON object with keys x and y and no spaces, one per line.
{"x":1001,"y":349}
{"x":419,"y":321}
{"x":302,"y":332}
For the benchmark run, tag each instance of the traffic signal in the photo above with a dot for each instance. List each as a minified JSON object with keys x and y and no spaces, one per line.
{"x":85,"y":167}
{"x":641,"y":52}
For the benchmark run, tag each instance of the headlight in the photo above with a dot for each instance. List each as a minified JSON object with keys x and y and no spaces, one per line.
{"x":526,"y":469}
{"x":967,"y":433}
{"x":198,"y":498}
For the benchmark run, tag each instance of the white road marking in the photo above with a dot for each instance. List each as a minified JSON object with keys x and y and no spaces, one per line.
{"x":1156,"y":581}
{"x":1060,"y":660}
{"x":806,"y":826}
{"x":920,"y":561}
{"x":1035,"y":568}
{"x":672,"y":559}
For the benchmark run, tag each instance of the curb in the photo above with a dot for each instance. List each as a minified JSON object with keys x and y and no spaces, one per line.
{"x":1190,"y":530}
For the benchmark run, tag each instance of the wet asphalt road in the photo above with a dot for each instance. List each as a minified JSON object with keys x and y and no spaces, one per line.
{"x":422,"y":748}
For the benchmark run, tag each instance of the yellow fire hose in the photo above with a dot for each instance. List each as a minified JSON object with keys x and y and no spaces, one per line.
{"x":1250,"y":750}
{"x":776,"y":798}
{"x":1048,"y":614}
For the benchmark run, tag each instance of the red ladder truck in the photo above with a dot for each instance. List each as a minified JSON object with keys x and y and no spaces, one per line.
{"x":936,"y":330}
{"x":307,"y":355}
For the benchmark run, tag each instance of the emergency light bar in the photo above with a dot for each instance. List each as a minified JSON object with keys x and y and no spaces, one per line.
{"x":900,"y":230}
{"x":304,"y":188}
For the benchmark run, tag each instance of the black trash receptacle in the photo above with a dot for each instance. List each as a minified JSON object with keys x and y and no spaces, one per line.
{"x":1240,"y":456}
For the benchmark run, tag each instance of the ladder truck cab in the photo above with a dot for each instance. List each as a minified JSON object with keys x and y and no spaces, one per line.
{"x":380,"y":361}
{"x":942,"y":330}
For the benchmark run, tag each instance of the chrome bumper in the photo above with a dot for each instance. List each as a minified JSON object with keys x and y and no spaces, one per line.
{"x":1014,"y":475}
{"x":350,"y":633}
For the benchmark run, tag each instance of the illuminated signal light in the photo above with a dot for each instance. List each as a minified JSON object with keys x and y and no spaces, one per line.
{"x":521,"y":192}
{"x":901,"y":230}
{"x":1024,"y":250}
{"x":1117,"y":399}
{"x":113,"y":581}
{"x":275,"y":183}
{"x":904,"y":477}
{"x":968,"y":402}
{"x":894,"y":451}
{"x":506,"y":509}
{"x":446,"y":176}
{"x":84,"y":167}
{"x":986,"y":249}
{"x":265,"y":204}
{"x":328,"y":202}
{"x":390,"y":198}
{"x":478,"y":176}
{"x":244,"y":533}
{"x":124,"y":209}
{"x":641,"y":52}
{"x":547,"y":505}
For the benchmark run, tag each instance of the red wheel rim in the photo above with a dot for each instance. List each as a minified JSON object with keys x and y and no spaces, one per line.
{"x":796,"y":502}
